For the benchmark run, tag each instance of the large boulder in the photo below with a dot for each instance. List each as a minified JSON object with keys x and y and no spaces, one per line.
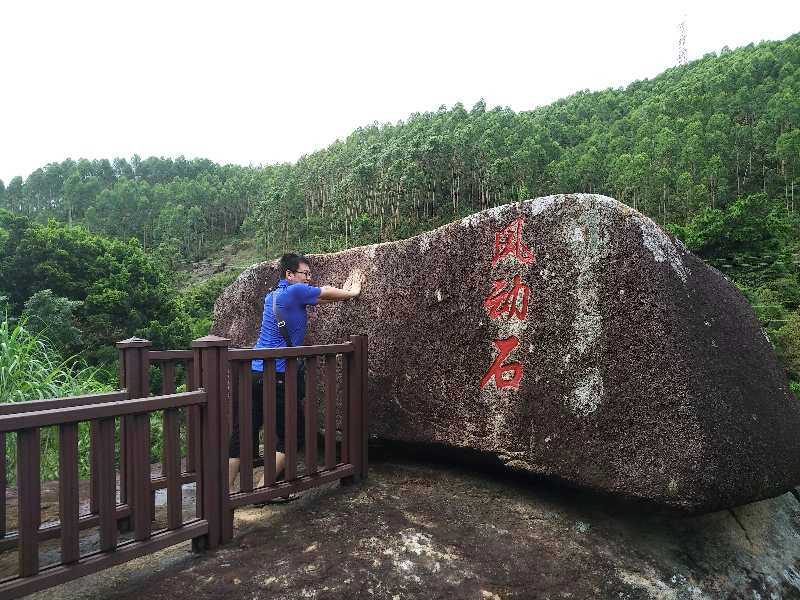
{"x":568,"y":336}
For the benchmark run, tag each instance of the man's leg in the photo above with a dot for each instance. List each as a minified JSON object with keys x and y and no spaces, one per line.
{"x":280,"y":463}
{"x":233,"y":451}
{"x":233,"y":471}
{"x":277,"y":427}
{"x":256,"y":418}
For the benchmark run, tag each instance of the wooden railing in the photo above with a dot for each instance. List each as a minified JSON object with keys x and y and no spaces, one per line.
{"x":333,"y":368}
{"x":11,"y":540}
{"x":217,"y":382}
{"x":101,"y":411}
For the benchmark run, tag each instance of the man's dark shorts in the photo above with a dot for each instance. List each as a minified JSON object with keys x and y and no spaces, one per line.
{"x":280,"y":414}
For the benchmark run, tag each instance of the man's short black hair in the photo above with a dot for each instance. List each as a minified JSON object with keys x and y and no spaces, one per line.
{"x":291,"y":262}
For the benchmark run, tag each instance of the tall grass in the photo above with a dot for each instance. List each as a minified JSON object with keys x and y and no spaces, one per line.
{"x":31,"y":369}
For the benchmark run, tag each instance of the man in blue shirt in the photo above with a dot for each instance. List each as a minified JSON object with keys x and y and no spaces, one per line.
{"x":291,"y":296}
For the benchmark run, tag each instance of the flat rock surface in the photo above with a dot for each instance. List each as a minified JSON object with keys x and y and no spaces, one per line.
{"x":567,"y":336}
{"x":429,"y":531}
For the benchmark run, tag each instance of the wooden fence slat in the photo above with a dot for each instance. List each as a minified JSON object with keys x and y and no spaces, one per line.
{"x":167,"y":355}
{"x":363,"y":421}
{"x":94,"y":465}
{"x":237,"y":354}
{"x":232,"y":405}
{"x":140,"y":475}
{"x":290,"y":417}
{"x":29,"y":504}
{"x":312,"y":406}
{"x":192,"y":421}
{"x":167,"y":387}
{"x":270,"y":427}
{"x":201,"y":454}
{"x":246,"y":432}
{"x":347,"y":360}
{"x":107,"y":485}
{"x":29,"y":406}
{"x":172,"y":465}
{"x":193,"y":450}
{"x":354,"y":414}
{"x":68,"y":500}
{"x":330,"y":411}
{"x":189,"y":374}
{"x":46,"y":418}
{"x":2,"y":485}
{"x":124,"y":458}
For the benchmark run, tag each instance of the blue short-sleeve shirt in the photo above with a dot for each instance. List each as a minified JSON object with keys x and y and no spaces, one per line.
{"x":292,"y":302}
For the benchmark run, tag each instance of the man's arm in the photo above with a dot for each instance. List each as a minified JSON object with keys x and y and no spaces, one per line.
{"x":351,"y":289}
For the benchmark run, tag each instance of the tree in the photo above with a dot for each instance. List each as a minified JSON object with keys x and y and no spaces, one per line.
{"x":14,"y":195}
{"x":788,"y":151}
{"x":49,"y":316}
{"x":122,"y":290}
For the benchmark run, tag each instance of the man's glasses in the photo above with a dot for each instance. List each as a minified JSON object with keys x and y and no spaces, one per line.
{"x":306,"y":273}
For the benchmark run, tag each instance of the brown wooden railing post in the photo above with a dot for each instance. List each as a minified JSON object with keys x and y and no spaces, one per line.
{"x":211,"y":369}
{"x":355,"y":379}
{"x":134,"y":377}
{"x":68,"y":499}
{"x":2,"y":485}
{"x":29,"y":500}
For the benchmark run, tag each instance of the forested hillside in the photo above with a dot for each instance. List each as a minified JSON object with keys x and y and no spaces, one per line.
{"x":695,"y":137}
{"x":710,"y":150}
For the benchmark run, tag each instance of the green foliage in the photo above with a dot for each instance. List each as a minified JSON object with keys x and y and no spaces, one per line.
{"x":752,"y":224}
{"x":51,"y":317}
{"x":197,"y":303}
{"x":31,"y":369}
{"x":755,"y":241}
{"x":788,"y":345}
{"x":120,"y":290}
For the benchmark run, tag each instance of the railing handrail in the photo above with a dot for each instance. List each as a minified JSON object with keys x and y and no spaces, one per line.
{"x":293,"y":352}
{"x":160,"y":355}
{"x":122,"y":408}
{"x":29,"y":406}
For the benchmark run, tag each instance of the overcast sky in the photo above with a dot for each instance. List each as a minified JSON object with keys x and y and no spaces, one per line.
{"x":264,"y":82}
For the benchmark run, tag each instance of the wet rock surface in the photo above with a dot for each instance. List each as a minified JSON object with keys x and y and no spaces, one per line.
{"x":566,"y":336}
{"x":428,"y":531}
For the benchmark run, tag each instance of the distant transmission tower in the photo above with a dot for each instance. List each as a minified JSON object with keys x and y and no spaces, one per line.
{"x":682,"y":44}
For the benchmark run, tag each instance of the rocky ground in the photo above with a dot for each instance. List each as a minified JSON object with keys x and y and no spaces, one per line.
{"x":428,"y":530}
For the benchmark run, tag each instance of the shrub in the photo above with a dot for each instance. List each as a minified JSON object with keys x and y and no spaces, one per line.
{"x":30,"y":369}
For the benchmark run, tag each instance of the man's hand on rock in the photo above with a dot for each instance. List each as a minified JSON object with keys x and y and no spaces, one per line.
{"x":354,"y":281}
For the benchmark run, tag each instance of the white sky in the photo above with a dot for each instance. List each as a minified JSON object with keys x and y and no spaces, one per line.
{"x":265,"y":82}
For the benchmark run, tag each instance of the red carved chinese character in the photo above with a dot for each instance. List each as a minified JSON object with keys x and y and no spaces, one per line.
{"x":499,"y":371}
{"x":513,"y":303}
{"x":509,"y":241}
